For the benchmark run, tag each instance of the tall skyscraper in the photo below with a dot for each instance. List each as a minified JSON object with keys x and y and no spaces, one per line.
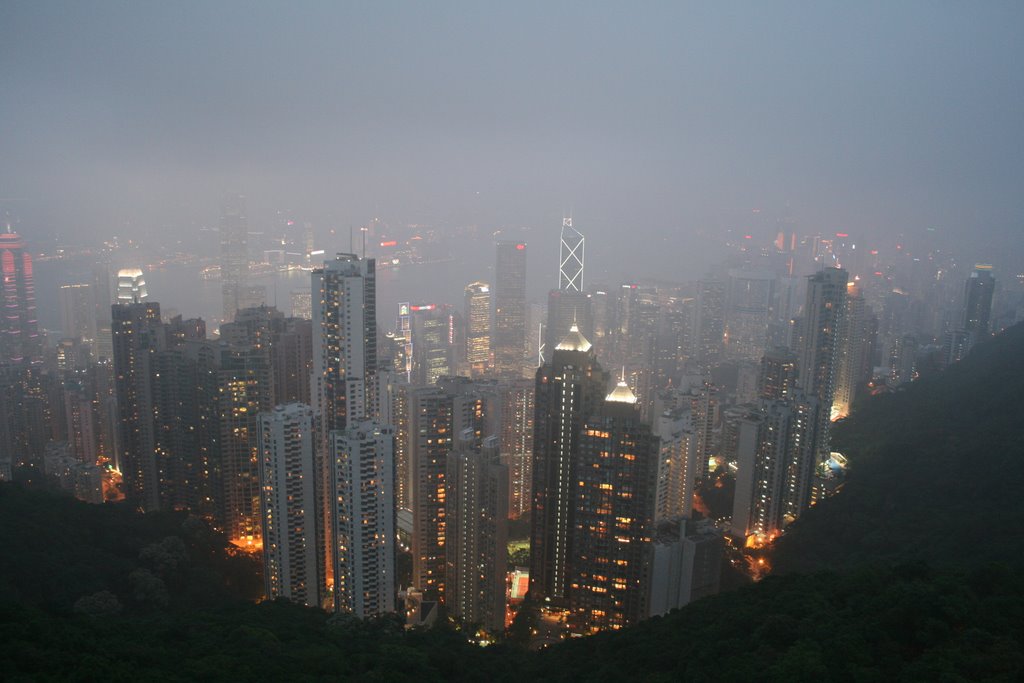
{"x":855,"y":345}
{"x":978,"y":303}
{"x":234,"y":254}
{"x":432,"y":337}
{"x":476,"y":545}
{"x":363,"y":518}
{"x":344,"y":340}
{"x":614,"y":506}
{"x":710,"y":322}
{"x":478,"y":327}
{"x":436,"y":415}
{"x":78,"y":312}
{"x":131,"y":286}
{"x":570,"y":258}
{"x":356,"y":467}
{"x":823,"y":321}
{"x":510,"y":308}
{"x":19,"y":327}
{"x":291,"y":564}
{"x":569,"y":389}
{"x":136,"y":337}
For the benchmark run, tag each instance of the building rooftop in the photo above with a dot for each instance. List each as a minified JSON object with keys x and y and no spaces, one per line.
{"x":574,"y":341}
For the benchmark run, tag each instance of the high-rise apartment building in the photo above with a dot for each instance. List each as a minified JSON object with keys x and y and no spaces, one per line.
{"x":476,"y":544}
{"x":820,"y":344}
{"x":291,"y":564}
{"x":363,"y":536}
{"x":509,"y":338}
{"x":436,"y":414}
{"x":136,"y":338}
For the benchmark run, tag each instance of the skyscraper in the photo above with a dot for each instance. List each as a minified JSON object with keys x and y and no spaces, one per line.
{"x":19,"y":328}
{"x":510,"y":308}
{"x":476,"y":546}
{"x":234,"y":254}
{"x":291,"y":564}
{"x":569,"y":388}
{"x":614,"y":504}
{"x":356,"y":466}
{"x":478,"y":327}
{"x":978,"y":302}
{"x":78,"y":312}
{"x":436,"y":414}
{"x":136,"y":330}
{"x":823,"y":321}
{"x":363,"y":518}
{"x":131,"y":286}
{"x":570,"y":258}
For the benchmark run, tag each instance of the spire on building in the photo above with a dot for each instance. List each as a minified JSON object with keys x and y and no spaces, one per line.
{"x":574,"y":341}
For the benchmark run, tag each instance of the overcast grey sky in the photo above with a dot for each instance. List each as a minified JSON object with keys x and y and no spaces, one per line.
{"x":645,"y":118}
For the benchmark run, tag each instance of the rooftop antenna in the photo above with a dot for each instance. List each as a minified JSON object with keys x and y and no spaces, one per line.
{"x":351,"y":247}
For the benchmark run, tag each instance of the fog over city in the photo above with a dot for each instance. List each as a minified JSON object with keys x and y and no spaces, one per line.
{"x":661,"y":127}
{"x":424,"y":341}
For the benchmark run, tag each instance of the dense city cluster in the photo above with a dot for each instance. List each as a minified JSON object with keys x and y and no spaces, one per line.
{"x":495,"y":460}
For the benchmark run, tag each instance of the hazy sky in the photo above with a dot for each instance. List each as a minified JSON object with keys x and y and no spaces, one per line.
{"x":646,"y":119}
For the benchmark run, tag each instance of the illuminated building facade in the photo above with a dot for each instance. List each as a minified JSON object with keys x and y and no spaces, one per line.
{"x":478,"y":327}
{"x":436,"y":415}
{"x":569,"y":389}
{"x":614,"y":500}
{"x":131,"y":286}
{"x":19,"y":327}
{"x":363,"y":518}
{"x":78,"y":312}
{"x":291,"y":564}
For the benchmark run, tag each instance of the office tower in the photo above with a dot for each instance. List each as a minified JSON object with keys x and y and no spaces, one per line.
{"x":819,"y":354}
{"x":78,"y":312}
{"x":363,"y":533}
{"x":302,"y":304}
{"x":515,"y":432}
{"x":509,"y":337}
{"x":570,"y":258}
{"x":978,"y":303}
{"x":569,"y":388}
{"x":477,"y":540}
{"x":131,"y":286}
{"x":291,"y":564}
{"x":234,"y":254}
{"x":749,"y":313}
{"x":19,"y":328}
{"x":136,"y":337}
{"x":432,"y":337}
{"x":710,"y":322}
{"x":436,"y":415}
{"x":614,"y":505}
{"x":102,"y":300}
{"x":478,"y":327}
{"x":566,"y":307}
{"x":902,"y":360}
